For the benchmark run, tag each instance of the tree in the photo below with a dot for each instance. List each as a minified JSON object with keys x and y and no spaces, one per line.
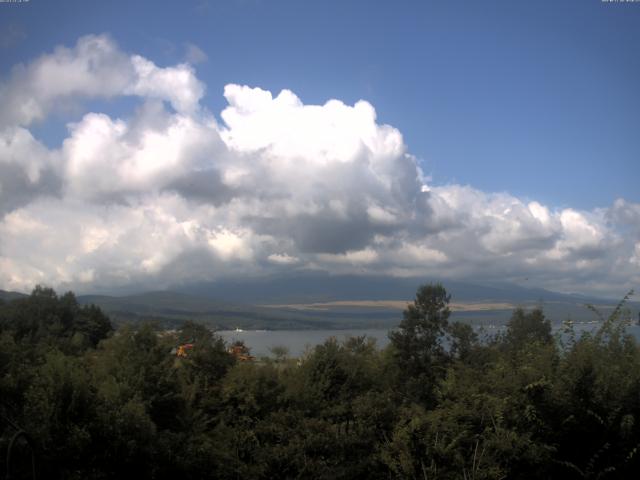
{"x":527,"y":327}
{"x":463,"y":339}
{"x":418,"y":343}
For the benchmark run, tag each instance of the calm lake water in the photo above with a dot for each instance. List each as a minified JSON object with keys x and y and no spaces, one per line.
{"x":297,"y":341}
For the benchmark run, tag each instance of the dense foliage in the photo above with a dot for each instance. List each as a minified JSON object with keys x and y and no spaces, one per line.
{"x":436,"y":403}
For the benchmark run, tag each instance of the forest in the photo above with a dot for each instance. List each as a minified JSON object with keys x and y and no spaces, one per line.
{"x":80,"y":399}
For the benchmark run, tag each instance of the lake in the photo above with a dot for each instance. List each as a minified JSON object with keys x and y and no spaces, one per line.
{"x":297,"y":341}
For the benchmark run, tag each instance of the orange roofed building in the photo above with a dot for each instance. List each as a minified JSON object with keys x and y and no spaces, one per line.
{"x":240,"y":351}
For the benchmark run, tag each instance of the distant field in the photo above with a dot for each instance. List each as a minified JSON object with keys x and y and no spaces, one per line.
{"x":390,"y":305}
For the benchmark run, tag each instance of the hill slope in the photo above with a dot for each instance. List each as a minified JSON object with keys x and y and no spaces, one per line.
{"x":7,"y":296}
{"x":317,"y":301}
{"x":308,"y":288}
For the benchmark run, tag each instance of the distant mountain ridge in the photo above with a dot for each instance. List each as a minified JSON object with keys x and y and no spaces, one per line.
{"x":7,"y":296}
{"x":351,"y":302}
{"x":326,"y":288}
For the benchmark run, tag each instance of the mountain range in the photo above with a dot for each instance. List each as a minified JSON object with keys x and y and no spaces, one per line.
{"x":318,"y":301}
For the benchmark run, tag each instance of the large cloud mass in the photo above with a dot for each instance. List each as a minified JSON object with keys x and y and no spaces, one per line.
{"x":168,"y":194}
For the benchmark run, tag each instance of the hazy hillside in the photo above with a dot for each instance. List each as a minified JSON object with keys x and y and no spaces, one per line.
{"x":326,"y":302}
{"x":172,"y":308}
{"x":309,"y":302}
{"x":320,"y":287}
{"x":4,"y":295}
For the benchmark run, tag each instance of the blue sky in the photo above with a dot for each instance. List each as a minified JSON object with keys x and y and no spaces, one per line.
{"x":148,"y":144}
{"x":539,"y":98}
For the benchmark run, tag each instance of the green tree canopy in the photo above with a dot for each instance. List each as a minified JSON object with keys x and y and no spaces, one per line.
{"x":418,"y":342}
{"x":526,"y":327}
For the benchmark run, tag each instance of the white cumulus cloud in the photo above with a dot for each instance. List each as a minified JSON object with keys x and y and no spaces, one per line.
{"x":165,"y":194}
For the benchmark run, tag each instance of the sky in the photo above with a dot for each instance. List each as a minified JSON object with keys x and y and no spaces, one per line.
{"x":147,"y":144}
